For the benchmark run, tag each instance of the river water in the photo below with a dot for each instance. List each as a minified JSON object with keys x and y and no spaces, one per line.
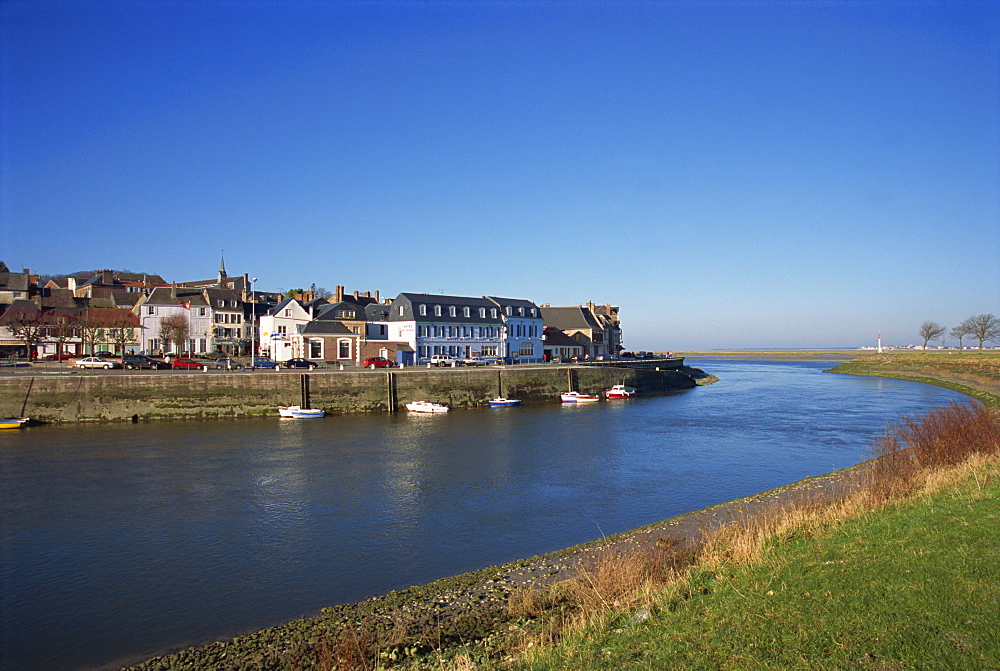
{"x":124,"y":541}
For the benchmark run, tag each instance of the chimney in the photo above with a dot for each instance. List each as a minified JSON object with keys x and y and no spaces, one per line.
{"x":355,"y":294}
{"x":173,"y":291}
{"x":339,"y":295}
{"x":368,"y":294}
{"x":376,"y":296}
{"x":71,"y":284}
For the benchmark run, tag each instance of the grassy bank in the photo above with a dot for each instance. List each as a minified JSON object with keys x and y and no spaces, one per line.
{"x":907,"y":586}
{"x":973,"y":373}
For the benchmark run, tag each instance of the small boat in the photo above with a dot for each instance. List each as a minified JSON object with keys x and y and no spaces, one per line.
{"x":426,"y":406}
{"x":297,"y":412}
{"x":577,"y":397}
{"x":13,"y":422}
{"x":620,"y":391}
{"x":501,"y":402}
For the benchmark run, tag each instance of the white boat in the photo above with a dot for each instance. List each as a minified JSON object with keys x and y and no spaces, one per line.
{"x":501,"y":402}
{"x":13,"y":422}
{"x":426,"y":406}
{"x":620,"y":391}
{"x":297,"y":412}
{"x":577,"y":397}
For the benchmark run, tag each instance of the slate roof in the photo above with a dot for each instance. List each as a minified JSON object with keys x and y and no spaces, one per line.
{"x":326,"y":328}
{"x":575,"y":318}
{"x":14,"y":282}
{"x":164,"y":296}
{"x":411,"y":313}
{"x":556,"y":338}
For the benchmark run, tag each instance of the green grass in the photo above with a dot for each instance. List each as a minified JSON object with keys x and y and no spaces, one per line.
{"x":911,"y":586}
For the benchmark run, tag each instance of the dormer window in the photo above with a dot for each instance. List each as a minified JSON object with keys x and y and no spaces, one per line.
{"x":509,"y":311}
{"x":533,"y":312}
{"x":482,"y":313}
{"x":451,"y":310}
{"x":423,"y":309}
{"x":465,"y":312}
{"x":437,"y":310}
{"x":520,"y":312}
{"x":493,"y":313}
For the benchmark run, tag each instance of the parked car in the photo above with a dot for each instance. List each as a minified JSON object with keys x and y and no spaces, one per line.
{"x":475,"y":361}
{"x":104,"y":355}
{"x":138,"y":361}
{"x":228,"y":364}
{"x":188,"y":364}
{"x":58,"y":357}
{"x":213,"y":356}
{"x":374,"y":362}
{"x":264,"y":362}
{"x":444,"y":360}
{"x":297,"y":363}
{"x":95,"y":362}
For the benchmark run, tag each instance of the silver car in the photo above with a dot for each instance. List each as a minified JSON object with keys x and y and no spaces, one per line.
{"x":95,"y":362}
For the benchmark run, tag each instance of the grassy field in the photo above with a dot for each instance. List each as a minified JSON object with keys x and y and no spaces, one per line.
{"x":974,"y":373}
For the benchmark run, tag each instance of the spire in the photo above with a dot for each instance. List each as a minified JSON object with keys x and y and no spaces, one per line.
{"x":222,"y":271}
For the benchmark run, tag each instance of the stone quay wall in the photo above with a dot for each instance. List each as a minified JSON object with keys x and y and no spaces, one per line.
{"x":102,"y":396}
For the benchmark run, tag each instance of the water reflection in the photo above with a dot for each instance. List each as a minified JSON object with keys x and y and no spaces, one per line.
{"x":133,"y":539}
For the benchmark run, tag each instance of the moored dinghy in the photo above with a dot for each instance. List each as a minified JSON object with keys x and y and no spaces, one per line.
{"x":426,"y":406}
{"x":577,"y":397}
{"x":297,"y":412}
{"x":501,"y":402}
{"x":620,"y":391}
{"x":13,"y":422}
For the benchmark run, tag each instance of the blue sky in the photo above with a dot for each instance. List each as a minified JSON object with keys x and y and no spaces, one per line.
{"x":731,"y":174}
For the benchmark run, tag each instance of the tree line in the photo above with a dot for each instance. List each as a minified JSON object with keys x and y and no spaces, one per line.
{"x":984,"y":328}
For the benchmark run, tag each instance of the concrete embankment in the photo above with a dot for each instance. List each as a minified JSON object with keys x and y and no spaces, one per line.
{"x":100,"y":396}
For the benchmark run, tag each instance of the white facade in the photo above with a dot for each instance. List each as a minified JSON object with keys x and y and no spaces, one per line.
{"x":278,"y":329}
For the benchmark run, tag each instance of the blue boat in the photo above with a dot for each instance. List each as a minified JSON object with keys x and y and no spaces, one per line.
{"x":501,"y":402}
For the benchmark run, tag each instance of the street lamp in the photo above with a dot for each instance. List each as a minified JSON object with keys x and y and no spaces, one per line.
{"x":253,"y":330}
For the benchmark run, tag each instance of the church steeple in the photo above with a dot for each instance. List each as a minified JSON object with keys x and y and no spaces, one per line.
{"x":222,"y":272}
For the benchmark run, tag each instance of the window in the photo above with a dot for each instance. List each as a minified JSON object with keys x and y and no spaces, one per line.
{"x":288,"y":313}
{"x":465,"y":312}
{"x":401,"y":310}
{"x":202,"y":312}
{"x":482,"y":313}
{"x":533,"y":312}
{"x":423,"y":309}
{"x":527,"y":349}
{"x":343,"y":348}
{"x":283,"y":330}
{"x":489,"y":350}
{"x":150,"y":310}
{"x":520,"y":312}
{"x":509,"y":311}
{"x":437,"y":310}
{"x":451,"y":310}
{"x":493,"y":313}
{"x":315,"y":349}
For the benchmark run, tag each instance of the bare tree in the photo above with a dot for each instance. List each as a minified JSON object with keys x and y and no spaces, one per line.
{"x":931,"y":331}
{"x":174,"y":329}
{"x":982,"y":328}
{"x":958,"y":333}
{"x":112,"y":325}
{"x":25,"y":322}
{"x":63,"y":326}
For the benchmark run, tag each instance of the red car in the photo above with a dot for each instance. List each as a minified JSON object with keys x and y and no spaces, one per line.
{"x":58,"y":357}
{"x":188,"y":364}
{"x":374,"y":362}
